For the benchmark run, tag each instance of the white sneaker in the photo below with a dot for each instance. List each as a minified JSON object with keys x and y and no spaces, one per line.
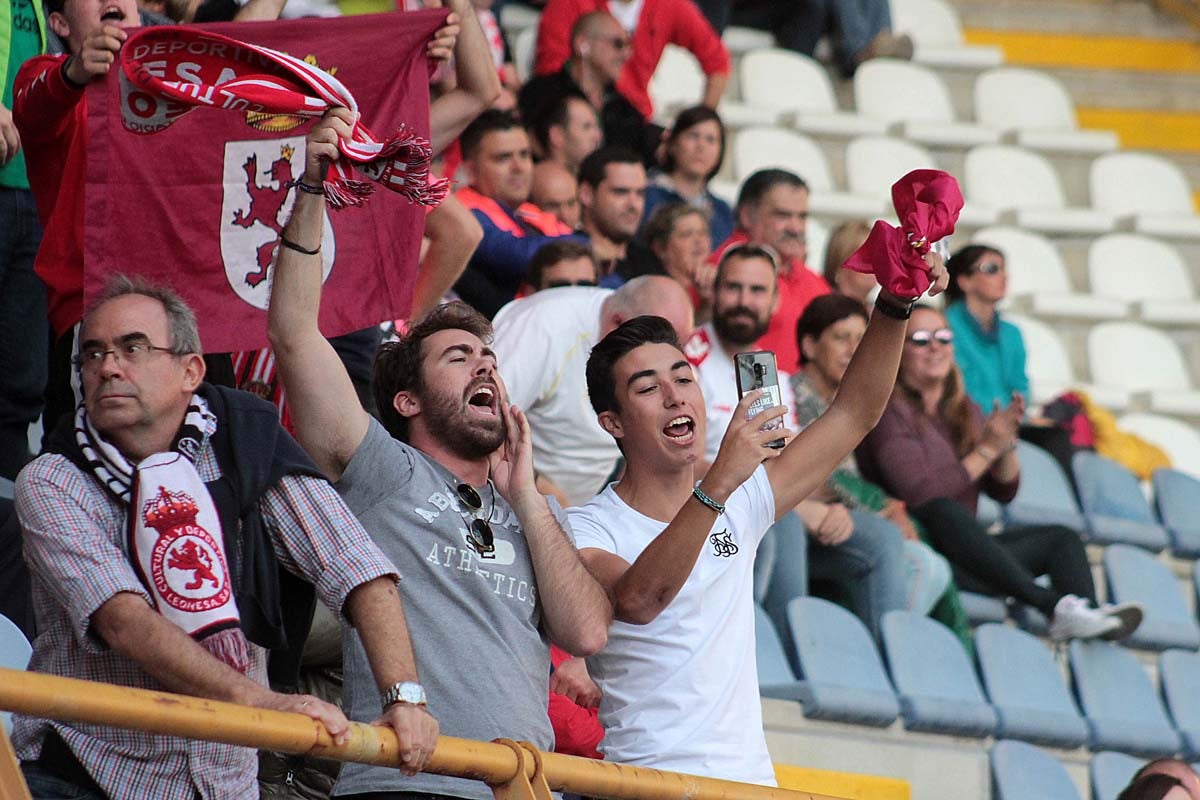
{"x":1074,"y":618}
{"x":1128,"y":615}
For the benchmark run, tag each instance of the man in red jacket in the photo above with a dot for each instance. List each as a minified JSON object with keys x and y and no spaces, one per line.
{"x":772,"y":209}
{"x":652,"y":24}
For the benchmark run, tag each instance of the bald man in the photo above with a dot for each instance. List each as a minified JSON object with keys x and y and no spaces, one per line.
{"x":556,"y":192}
{"x":542,"y":343}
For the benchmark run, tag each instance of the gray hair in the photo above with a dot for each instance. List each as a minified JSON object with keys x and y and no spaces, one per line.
{"x":181,"y":321}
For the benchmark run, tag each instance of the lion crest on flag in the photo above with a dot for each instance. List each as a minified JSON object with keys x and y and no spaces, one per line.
{"x":255,"y":206}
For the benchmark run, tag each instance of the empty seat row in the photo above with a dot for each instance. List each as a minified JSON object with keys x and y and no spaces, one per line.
{"x":1132,"y":366}
{"x":925,"y":678}
{"x":1001,"y":183}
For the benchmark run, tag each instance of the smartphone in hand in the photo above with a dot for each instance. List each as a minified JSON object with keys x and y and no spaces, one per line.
{"x":757,"y":370}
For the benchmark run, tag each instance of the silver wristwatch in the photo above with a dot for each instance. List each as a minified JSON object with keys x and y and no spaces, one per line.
{"x":404,"y":692}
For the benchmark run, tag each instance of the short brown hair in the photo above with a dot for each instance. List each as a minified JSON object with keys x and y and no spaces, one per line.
{"x":555,"y":252}
{"x":398,"y":364}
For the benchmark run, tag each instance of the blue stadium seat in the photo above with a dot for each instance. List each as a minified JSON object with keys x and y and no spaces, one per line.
{"x":1032,"y":703}
{"x":1179,"y":678}
{"x":1110,"y":773}
{"x":988,"y":511}
{"x":764,"y":565}
{"x":983,"y":608}
{"x":934,"y":680}
{"x":1135,"y":576}
{"x":841,"y":674}
{"x":14,"y":654}
{"x":1177,"y":501}
{"x":1044,"y":496}
{"x":1113,"y":503}
{"x":1021,"y":771}
{"x":775,"y":676}
{"x":789,"y":578}
{"x":1121,"y":706}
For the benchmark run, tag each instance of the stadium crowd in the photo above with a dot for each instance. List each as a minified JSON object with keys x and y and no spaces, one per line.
{"x":530,"y":508}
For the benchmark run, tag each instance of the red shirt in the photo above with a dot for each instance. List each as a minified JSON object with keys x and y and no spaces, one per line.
{"x":797,"y":288}
{"x":51,"y":116}
{"x":661,"y":22}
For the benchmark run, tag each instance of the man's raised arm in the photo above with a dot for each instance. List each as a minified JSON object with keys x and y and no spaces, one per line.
{"x":329,"y":421}
{"x":809,"y":459}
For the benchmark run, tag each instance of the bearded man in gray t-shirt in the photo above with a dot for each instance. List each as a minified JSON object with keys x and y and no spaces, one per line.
{"x":445,"y":486}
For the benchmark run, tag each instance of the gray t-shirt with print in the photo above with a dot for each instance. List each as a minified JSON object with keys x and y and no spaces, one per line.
{"x":474,"y":623}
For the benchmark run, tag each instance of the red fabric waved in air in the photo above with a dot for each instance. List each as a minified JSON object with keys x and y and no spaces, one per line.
{"x":927,"y":203}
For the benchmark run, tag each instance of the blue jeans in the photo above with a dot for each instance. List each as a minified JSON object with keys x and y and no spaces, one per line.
{"x":24,"y":328}
{"x":44,"y":785}
{"x":852,"y":24}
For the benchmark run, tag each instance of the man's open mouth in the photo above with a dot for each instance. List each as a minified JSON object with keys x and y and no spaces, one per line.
{"x":483,"y":399}
{"x":681,"y":428}
{"x":112,"y":14}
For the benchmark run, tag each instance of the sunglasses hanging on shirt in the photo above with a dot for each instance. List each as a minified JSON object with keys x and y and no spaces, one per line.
{"x":479,"y":533}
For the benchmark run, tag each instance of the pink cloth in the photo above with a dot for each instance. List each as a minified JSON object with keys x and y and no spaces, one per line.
{"x":927,"y":203}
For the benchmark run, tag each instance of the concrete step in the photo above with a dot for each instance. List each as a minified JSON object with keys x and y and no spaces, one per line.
{"x":1118,"y":17}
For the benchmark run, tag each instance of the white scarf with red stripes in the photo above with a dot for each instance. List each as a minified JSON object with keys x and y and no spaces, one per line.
{"x":245,"y":77}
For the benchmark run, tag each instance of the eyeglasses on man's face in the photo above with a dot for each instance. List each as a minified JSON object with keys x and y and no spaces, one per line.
{"x":131,"y":353}
{"x":942,"y":336}
{"x":989,"y":268}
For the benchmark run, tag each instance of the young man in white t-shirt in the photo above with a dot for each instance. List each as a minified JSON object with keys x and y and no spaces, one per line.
{"x":678,"y":674}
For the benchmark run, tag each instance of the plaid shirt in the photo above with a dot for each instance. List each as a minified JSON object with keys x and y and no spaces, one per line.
{"x":75,"y":544}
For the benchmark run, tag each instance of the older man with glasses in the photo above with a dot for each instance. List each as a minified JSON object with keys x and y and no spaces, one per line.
{"x":175,"y":535}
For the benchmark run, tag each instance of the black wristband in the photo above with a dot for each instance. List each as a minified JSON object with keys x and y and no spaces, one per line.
{"x":894,"y":307}
{"x":67,"y":78}
{"x":306,"y":187}
{"x":290,"y":245}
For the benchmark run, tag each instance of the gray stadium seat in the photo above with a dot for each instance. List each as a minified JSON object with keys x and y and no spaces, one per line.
{"x":841,"y":674}
{"x":934,"y":680}
{"x":1111,"y":772}
{"x":1177,"y":501}
{"x":1179,"y":677}
{"x":1044,"y":496}
{"x":1025,"y":687}
{"x":1113,"y":503}
{"x":1135,"y":576}
{"x":1121,"y":706}
{"x":1021,"y":771}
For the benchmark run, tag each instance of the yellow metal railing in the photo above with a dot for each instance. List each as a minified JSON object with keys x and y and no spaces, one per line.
{"x":514,"y":770}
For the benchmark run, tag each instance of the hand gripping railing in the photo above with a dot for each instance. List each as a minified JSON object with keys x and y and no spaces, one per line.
{"x":514,"y":770}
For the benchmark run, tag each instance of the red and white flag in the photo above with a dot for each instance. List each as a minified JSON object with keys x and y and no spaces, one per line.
{"x":198,"y":200}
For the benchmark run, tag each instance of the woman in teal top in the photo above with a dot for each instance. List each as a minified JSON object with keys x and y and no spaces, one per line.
{"x":989,"y":349}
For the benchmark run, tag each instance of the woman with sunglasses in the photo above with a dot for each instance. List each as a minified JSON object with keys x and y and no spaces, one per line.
{"x":692,"y":155}
{"x":990,"y":351}
{"x":935,"y":450}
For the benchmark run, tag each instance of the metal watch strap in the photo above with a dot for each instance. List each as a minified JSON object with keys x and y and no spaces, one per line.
{"x":409,"y":692}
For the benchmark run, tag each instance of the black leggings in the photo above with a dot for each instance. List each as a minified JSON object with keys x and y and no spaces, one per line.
{"x":1007,"y":563}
